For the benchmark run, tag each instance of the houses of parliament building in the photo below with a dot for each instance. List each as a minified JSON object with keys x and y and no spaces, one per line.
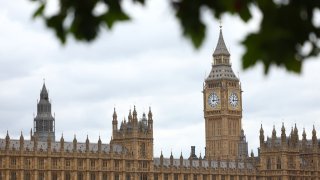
{"x":129,"y":154}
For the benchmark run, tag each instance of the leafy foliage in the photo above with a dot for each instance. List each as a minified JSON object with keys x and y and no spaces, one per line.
{"x":286,"y":26}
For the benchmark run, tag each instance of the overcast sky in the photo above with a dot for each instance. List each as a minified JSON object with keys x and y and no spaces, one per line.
{"x":144,"y":62}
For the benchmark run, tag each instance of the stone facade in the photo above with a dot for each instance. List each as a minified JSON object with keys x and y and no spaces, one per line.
{"x":129,"y":154}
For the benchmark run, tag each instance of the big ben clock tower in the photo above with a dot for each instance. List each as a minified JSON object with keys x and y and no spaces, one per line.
{"x":222,"y":106}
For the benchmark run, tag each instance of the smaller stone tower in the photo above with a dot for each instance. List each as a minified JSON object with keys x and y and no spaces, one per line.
{"x":44,"y":122}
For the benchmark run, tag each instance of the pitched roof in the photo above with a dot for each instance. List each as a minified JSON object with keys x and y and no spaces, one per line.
{"x":221,"y":48}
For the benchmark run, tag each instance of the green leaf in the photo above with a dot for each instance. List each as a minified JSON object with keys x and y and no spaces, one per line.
{"x":56,"y":23}
{"x":113,"y":16}
{"x":39,"y":11}
{"x":140,"y":1}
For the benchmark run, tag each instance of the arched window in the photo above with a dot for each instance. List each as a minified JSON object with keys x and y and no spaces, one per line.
{"x":268,"y":163}
{"x":278,"y":163}
{"x":143,"y":149}
{"x":27,"y":175}
{"x":67,"y":176}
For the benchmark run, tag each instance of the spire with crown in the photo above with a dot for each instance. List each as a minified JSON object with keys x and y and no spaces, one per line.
{"x":221,"y":55}
{"x":221,"y":66}
{"x":221,"y":48}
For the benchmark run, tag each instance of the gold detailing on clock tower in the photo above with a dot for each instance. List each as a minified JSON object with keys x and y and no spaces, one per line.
{"x":223,"y":112}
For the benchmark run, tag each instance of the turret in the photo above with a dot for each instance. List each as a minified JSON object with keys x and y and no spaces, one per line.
{"x":295,"y":134}
{"x":114,"y":122}
{"x":130,"y":117}
{"x":274,"y":136}
{"x":171,"y":159}
{"x":150,"y":120}
{"x":74,"y":143}
{"x":99,"y":145}
{"x":304,"y":138}
{"x":7,"y":140}
{"x":87,"y":144}
{"x":144,"y":120}
{"x":61,"y":143}
{"x":161,"y":159}
{"x":181,"y":160}
{"x":135,"y":118}
{"x":31,"y":134}
{"x":261,"y":136}
{"x":21,"y":141}
{"x":283,"y":136}
{"x":314,"y":138}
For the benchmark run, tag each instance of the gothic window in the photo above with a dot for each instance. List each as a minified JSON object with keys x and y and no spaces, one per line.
{"x":54,"y":176}
{"x":27,"y":175}
{"x":219,"y":127}
{"x":80,"y":176}
{"x":92,"y":176}
{"x":104,"y":164}
{"x":166,"y":176}
{"x":144,"y":164}
{"x":268,"y":163}
{"x":41,"y":163}
{"x":213,"y":177}
{"x":13,"y":175}
{"x":204,"y":177}
{"x":128,"y":177}
{"x":290,"y":163}
{"x":116,"y":177}
{"x":116,"y":163}
{"x":80,"y":163}
{"x":128,"y":164}
{"x":195,"y":177}
{"x":67,"y":175}
{"x":185,"y":177}
{"x":176,"y":177}
{"x":92,"y":164}
{"x":54,"y":163}
{"x":41,"y":176}
{"x":240,"y":177}
{"x":13,"y":162}
{"x":104,"y":176}
{"x":143,"y":149}
{"x":27,"y":163}
{"x":68,"y":163}
{"x":155,"y":177}
{"x":223,"y":177}
{"x":278,"y":163}
{"x":231,"y":177}
{"x":0,"y":162}
{"x":143,"y":176}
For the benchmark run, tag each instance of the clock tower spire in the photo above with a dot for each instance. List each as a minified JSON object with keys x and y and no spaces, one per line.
{"x":222,"y":106}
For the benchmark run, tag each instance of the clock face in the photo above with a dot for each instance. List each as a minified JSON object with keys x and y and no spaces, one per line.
{"x":233,"y":99}
{"x":213,"y":99}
